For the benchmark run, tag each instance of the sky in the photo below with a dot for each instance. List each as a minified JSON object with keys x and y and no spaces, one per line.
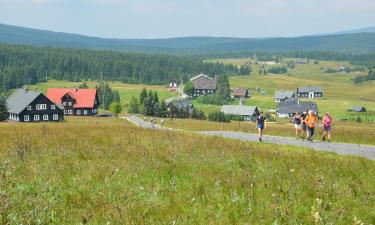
{"x":181,"y":18}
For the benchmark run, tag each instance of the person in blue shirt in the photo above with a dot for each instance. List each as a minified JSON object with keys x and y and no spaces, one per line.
{"x":261,"y":125}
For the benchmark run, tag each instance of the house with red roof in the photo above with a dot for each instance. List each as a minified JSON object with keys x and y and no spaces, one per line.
{"x":75,"y":102}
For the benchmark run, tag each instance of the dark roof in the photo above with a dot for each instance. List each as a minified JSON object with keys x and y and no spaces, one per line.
{"x":203,"y":82}
{"x":180,"y":104}
{"x":241,"y":92}
{"x":310,"y":89}
{"x":358,"y":108}
{"x":20,"y":99}
{"x":289,"y":107}
{"x":284,"y":94}
{"x":239,"y":110}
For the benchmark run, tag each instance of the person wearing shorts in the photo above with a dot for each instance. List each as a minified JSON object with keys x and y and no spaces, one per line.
{"x":260,"y":125}
{"x":327,"y":127}
{"x":297,"y":123}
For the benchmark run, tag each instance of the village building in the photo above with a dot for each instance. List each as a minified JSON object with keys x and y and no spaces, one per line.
{"x":241,"y":93}
{"x":203,"y":85}
{"x":76,"y":102}
{"x":290,"y":107}
{"x":358,"y":108}
{"x":310,"y":92}
{"x":32,"y":106}
{"x":249,"y":113}
{"x":282,"y":96}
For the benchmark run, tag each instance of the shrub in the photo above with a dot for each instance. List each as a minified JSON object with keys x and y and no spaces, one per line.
{"x":218,"y":117}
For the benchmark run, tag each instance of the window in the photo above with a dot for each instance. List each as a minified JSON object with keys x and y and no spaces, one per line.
{"x":45,"y":117}
{"x":65,"y":111}
{"x":41,"y":106}
{"x":70,"y":112}
{"x":78,"y":112}
{"x":64,"y":103}
{"x":85,"y":112}
{"x":36,"y":117}
{"x":29,"y":107}
{"x":69,"y":103}
{"x":26,"y":118}
{"x":55,"y":116}
{"x":53,"y":107}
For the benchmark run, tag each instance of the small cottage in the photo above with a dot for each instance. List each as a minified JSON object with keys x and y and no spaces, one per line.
{"x":240,"y":93}
{"x":290,"y":107}
{"x":358,"y":109}
{"x":282,"y":96}
{"x":310,"y":92}
{"x":249,"y":113}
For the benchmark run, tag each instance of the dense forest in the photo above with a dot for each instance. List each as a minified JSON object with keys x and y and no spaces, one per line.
{"x":367,"y":60}
{"x":21,"y":65}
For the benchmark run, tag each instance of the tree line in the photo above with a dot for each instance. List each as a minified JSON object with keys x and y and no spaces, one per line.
{"x":361,"y":79}
{"x":20,"y":65}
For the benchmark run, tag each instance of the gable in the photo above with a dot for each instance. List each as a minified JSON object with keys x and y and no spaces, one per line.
{"x":20,"y":99}
{"x":84,"y":98}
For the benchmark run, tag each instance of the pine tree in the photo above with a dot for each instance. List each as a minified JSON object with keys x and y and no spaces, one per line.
{"x":163,"y":109}
{"x":134,"y":105}
{"x":223,"y":87}
{"x":3,"y":108}
{"x":143,"y":96}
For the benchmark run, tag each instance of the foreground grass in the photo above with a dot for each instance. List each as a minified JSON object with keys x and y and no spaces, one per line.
{"x":106,"y":171}
{"x":349,"y":132}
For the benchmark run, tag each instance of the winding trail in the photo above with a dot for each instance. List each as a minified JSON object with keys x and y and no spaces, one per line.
{"x":366,"y":151}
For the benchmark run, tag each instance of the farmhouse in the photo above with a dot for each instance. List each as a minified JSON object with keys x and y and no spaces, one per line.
{"x":240,"y":93}
{"x":203,"y":85}
{"x":310,"y":92}
{"x":77,"y":102}
{"x":248,"y":112}
{"x":290,"y":107}
{"x":358,"y":109}
{"x":32,"y":106}
{"x":282,"y":96}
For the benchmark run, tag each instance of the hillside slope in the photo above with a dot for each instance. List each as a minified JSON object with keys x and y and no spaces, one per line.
{"x":356,"y":42}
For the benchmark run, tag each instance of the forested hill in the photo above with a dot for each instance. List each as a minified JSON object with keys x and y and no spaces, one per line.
{"x":21,"y":65}
{"x":353,"y":42}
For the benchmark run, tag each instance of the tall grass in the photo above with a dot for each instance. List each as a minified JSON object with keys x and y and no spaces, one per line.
{"x":110,"y":172}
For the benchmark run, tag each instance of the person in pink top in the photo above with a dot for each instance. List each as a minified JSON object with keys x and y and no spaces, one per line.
{"x":327,"y":127}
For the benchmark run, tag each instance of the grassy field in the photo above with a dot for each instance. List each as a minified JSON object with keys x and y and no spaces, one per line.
{"x":349,"y":132}
{"x":340,"y":91}
{"x":126,"y":90}
{"x":106,"y":171}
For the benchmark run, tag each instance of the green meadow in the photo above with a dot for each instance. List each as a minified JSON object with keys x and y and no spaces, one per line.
{"x":340,"y":92}
{"x":107,"y":171}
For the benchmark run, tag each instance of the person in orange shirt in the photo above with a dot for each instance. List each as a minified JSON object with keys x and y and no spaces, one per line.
{"x":311,"y":120}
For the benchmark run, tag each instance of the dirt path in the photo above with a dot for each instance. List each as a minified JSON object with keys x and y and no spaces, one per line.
{"x":366,"y":151}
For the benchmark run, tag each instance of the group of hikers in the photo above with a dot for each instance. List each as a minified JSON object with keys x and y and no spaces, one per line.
{"x":304,"y":124}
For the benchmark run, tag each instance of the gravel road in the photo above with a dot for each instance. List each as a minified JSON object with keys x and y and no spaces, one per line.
{"x":366,"y":151}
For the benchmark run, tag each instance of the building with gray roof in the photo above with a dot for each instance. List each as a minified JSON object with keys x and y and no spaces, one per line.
{"x":32,"y":106}
{"x":248,"y":112}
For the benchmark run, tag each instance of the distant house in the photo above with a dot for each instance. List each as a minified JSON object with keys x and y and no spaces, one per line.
{"x":240,"y":93}
{"x":358,"y":109}
{"x":248,"y":112}
{"x":180,"y":104}
{"x":76,"y":102}
{"x":32,"y":106}
{"x":290,"y":107}
{"x":310,"y":92}
{"x":203,"y":85}
{"x":282,"y":96}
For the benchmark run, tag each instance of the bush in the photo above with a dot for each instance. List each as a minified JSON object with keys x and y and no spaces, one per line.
{"x":218,"y":117}
{"x":359,"y":119}
{"x":278,"y":70}
{"x":198,"y":114}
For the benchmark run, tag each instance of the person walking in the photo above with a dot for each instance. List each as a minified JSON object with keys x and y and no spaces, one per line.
{"x":297,"y":122}
{"x":311,"y":121}
{"x":261,"y":125}
{"x":327,"y":127}
{"x":304,"y":127}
